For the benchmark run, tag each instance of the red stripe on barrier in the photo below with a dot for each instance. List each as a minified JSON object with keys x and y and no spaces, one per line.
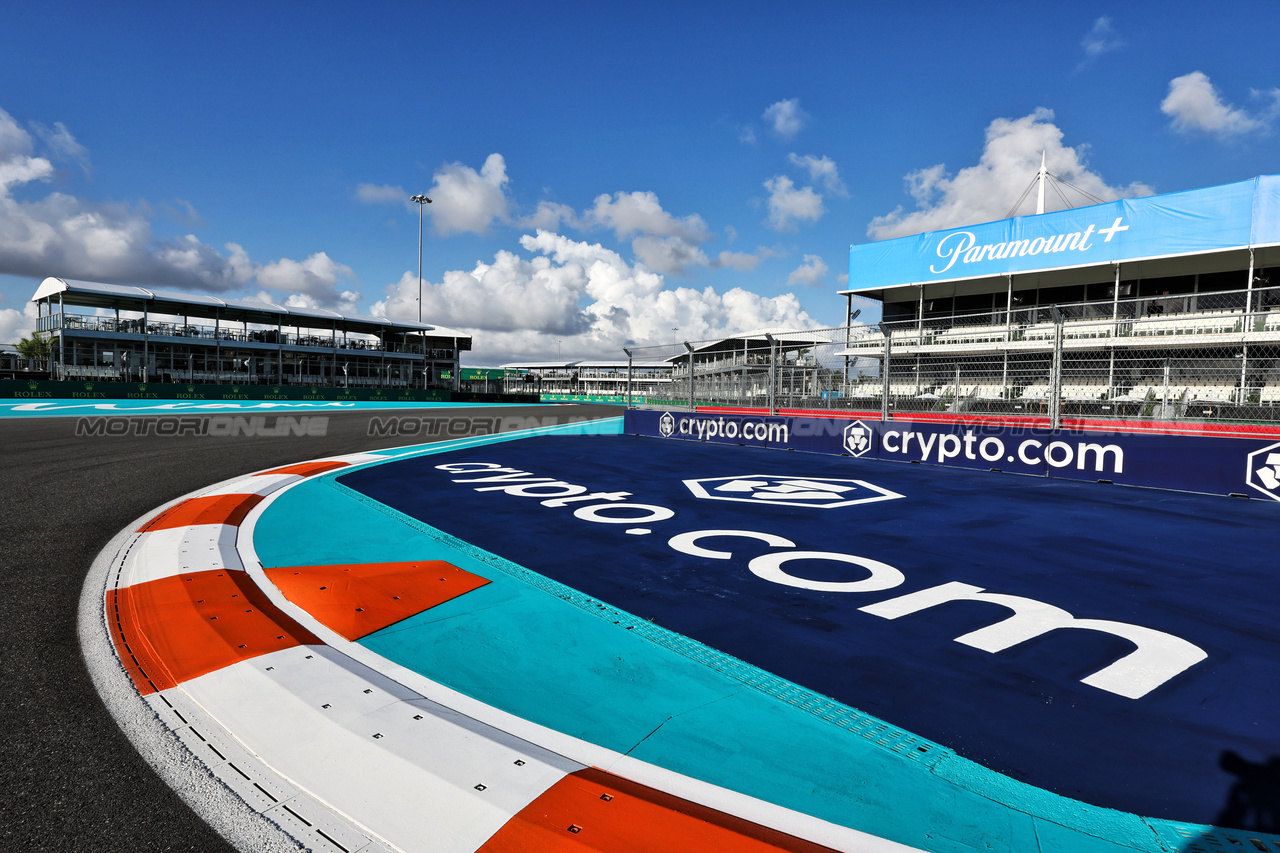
{"x":595,"y":810}
{"x":1226,"y":430}
{"x":214,"y":509}
{"x":173,"y":629}
{"x":356,"y":600}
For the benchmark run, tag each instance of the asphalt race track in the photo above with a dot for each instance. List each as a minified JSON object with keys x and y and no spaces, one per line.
{"x":70,"y":779}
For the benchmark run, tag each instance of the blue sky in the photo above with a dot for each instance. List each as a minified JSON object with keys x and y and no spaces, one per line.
{"x":602,"y":174}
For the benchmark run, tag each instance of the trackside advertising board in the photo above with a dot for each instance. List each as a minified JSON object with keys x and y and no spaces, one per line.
{"x":1207,"y":464}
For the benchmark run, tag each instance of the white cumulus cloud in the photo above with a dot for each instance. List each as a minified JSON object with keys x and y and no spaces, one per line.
{"x":789,"y":205}
{"x":1194,"y":106}
{"x":1102,"y":38}
{"x":786,"y":118}
{"x":810,"y":273}
{"x":821,"y":170}
{"x":584,"y":296}
{"x":986,"y":191}
{"x":661,"y":241}
{"x":319,"y":277}
{"x":383,"y":194}
{"x":16,"y":324}
{"x":466,"y":201}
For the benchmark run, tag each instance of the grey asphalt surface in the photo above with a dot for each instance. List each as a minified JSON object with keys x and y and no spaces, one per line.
{"x":69,"y":779}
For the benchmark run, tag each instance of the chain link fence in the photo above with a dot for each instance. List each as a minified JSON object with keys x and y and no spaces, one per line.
{"x":1201,"y":356}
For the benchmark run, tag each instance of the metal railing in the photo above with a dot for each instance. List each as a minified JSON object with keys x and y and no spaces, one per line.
{"x":136,"y":326}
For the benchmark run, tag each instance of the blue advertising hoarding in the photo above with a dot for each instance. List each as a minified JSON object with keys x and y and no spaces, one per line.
{"x":1207,"y":464}
{"x":1213,"y":219}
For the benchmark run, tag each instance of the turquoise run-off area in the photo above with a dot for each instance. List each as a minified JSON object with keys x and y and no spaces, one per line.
{"x":539,"y":650}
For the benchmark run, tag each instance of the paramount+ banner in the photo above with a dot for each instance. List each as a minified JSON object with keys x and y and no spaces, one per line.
{"x":1207,"y":464}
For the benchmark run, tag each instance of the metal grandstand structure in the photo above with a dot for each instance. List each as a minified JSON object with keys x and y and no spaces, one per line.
{"x":98,"y":331}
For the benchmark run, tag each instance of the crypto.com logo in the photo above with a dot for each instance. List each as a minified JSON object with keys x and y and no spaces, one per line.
{"x":816,"y":492}
{"x":666,"y":425}
{"x":1262,"y":472}
{"x":857,"y":438}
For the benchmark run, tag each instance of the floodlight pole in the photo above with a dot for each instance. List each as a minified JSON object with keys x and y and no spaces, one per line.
{"x":421,"y":200}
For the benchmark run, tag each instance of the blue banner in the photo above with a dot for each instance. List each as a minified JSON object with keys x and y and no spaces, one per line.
{"x":1231,"y":216}
{"x":1207,"y":464}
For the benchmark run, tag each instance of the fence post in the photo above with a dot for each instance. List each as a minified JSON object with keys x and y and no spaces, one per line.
{"x":884,"y":371}
{"x":690,"y":349}
{"x":1243,"y":395}
{"x":1055,"y":372}
{"x":629,"y":359}
{"x":1164,"y":399}
{"x":769,"y":395}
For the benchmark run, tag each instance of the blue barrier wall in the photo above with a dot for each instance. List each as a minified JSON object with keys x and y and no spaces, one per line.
{"x":1207,"y":464}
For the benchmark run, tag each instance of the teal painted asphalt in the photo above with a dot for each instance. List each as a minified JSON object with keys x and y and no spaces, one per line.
{"x":548,"y":654}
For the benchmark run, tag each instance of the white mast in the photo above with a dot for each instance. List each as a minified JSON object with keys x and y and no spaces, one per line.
{"x":1041,"y":178}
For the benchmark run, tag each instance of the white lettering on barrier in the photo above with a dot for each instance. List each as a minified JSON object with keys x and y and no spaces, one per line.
{"x":1058,"y":454}
{"x":705,"y":428}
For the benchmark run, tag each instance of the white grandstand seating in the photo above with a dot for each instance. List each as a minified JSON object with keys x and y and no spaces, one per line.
{"x":1083,"y":392}
{"x":1039,"y":332}
{"x":80,"y":371}
{"x":1200,"y":323}
{"x":1212,"y":393}
{"x":1088,"y":329}
{"x":971,"y":335}
{"x":1036,"y":392}
{"x":953,"y":390}
{"x":1270,"y":395}
{"x":989,"y":392}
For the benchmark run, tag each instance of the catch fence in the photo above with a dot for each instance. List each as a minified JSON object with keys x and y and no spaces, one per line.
{"x":1199,"y":356}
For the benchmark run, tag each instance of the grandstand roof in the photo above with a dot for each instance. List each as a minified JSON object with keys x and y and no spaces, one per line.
{"x":1234,"y":217}
{"x":96,"y":294}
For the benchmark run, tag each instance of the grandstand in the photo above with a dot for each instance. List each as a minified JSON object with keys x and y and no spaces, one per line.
{"x":730,"y":369}
{"x":127,"y":333}
{"x":1161,"y":306}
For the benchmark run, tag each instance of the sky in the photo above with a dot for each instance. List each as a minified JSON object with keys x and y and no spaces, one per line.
{"x":602,"y":175}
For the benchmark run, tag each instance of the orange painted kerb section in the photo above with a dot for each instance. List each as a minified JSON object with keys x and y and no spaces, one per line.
{"x":307,"y":469}
{"x":173,"y":629}
{"x":595,"y":810}
{"x":214,"y":509}
{"x":356,"y":600}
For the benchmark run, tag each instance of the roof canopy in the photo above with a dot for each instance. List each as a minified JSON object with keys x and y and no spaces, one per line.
{"x":1235,"y":216}
{"x":127,"y":297}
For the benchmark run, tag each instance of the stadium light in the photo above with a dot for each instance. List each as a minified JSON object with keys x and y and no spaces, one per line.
{"x":421,"y":200}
